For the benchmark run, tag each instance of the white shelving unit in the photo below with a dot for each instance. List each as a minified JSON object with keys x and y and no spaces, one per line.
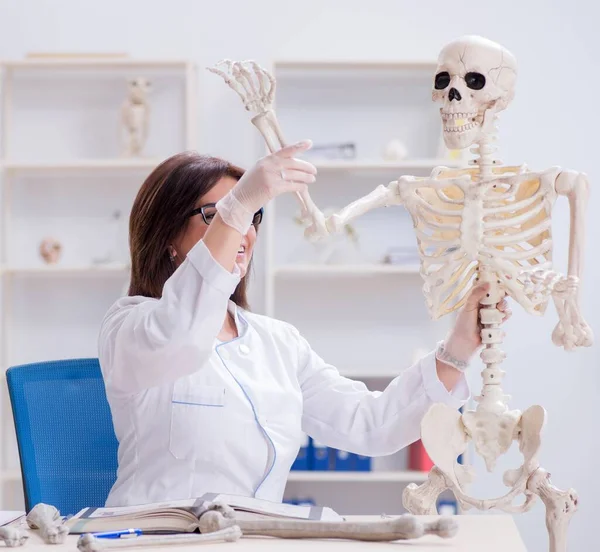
{"x":63,"y":177}
{"x":365,"y":317}
{"x":358,"y":477}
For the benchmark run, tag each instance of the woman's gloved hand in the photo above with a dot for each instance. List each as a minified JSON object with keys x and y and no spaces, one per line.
{"x":464,"y":338}
{"x":271,"y":176}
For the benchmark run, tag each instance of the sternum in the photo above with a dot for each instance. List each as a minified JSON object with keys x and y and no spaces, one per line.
{"x":471,"y":227}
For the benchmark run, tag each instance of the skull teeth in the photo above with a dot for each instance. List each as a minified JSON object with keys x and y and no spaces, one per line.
{"x":459,"y":128}
{"x":451,"y":116}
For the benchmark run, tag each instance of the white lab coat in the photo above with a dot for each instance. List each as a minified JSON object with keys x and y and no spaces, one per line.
{"x":193,"y":415}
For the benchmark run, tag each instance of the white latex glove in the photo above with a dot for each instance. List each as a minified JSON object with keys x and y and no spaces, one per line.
{"x":271,"y":176}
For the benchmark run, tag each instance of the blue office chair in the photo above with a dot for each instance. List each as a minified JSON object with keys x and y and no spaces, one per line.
{"x":65,"y":436}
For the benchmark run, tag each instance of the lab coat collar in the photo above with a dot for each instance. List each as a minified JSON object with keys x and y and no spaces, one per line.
{"x":241,"y":323}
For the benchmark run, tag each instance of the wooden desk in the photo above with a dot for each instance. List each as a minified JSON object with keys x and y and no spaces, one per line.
{"x":477,"y":533}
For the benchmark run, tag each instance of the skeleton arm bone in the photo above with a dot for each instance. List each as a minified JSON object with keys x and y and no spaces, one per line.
{"x":256,"y":88}
{"x":572,"y":330}
{"x":395,"y":193}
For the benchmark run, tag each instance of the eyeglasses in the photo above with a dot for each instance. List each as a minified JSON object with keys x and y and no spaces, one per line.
{"x":209,"y":211}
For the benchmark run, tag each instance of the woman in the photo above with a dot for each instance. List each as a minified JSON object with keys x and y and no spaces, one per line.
{"x":209,"y":397}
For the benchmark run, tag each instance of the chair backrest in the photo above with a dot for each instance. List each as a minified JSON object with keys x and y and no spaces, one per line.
{"x":65,"y":435}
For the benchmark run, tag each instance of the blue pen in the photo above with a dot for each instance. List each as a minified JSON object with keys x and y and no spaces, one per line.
{"x":118,"y":534}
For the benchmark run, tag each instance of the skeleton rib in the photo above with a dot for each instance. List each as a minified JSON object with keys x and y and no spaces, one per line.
{"x":433,"y":240}
{"x":439,"y":226}
{"x":455,"y":256}
{"x":446,"y":199}
{"x":517,"y":206}
{"x":459,"y":289}
{"x":520,"y":237}
{"x":524,"y":254}
{"x":439,"y":212}
{"x":513,"y":221}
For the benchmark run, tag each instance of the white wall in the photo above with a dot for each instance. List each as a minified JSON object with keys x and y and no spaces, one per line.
{"x":553,"y":121}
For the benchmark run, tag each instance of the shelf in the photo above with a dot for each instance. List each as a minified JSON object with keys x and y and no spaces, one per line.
{"x":59,"y":270}
{"x":313,"y":270}
{"x":304,"y":64}
{"x":81,"y":164}
{"x":376,"y":165}
{"x":358,"y":477}
{"x":109,"y":62}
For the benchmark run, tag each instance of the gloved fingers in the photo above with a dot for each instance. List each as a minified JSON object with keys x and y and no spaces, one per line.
{"x":293,"y":149}
{"x":297,"y":176}
{"x":293,"y":164}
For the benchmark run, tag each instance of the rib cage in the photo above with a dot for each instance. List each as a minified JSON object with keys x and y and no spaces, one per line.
{"x":504,"y":222}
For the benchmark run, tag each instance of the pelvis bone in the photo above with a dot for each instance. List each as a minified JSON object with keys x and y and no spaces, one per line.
{"x":445,"y":435}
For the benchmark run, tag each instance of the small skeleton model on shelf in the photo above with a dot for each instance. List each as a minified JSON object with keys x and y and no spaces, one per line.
{"x":135,"y":117}
{"x":490,"y":223}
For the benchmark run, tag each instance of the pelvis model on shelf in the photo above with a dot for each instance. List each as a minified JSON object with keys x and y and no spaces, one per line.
{"x":487,"y":223}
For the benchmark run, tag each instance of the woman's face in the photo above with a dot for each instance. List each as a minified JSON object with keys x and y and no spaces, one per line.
{"x":197,"y":227}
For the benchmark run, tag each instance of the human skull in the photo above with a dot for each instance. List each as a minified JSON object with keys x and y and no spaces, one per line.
{"x":474,"y":79}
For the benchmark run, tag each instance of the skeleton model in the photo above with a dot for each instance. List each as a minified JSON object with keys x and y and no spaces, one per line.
{"x":488,"y":223}
{"x":135,"y":115}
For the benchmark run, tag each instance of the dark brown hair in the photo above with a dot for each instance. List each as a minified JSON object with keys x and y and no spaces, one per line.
{"x":160,"y":214}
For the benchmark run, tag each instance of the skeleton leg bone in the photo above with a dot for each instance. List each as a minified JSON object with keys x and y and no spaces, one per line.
{"x":90,"y":543}
{"x":47,"y":519}
{"x":421,"y":499}
{"x":400,"y":528}
{"x":560,"y":507}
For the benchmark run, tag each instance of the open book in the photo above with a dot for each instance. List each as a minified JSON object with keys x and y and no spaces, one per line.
{"x":181,"y":516}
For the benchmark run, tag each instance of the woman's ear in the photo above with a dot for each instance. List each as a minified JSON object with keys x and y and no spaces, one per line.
{"x":172,"y":252}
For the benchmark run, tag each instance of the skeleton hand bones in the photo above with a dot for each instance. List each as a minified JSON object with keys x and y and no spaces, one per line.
{"x":572,"y":330}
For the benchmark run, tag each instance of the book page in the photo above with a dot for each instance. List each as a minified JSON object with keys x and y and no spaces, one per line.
{"x":276,"y":509}
{"x":130,"y":510}
{"x":8,"y":516}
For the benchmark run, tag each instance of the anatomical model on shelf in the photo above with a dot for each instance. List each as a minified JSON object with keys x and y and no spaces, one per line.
{"x":135,"y":117}
{"x":487,"y":223}
{"x":50,"y":250}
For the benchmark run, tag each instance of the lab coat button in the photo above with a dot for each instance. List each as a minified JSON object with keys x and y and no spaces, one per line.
{"x":244,"y":349}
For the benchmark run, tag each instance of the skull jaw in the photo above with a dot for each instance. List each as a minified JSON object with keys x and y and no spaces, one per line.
{"x":458,"y":140}
{"x":483,"y":126}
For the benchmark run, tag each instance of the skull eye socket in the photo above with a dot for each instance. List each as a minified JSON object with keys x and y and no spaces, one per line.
{"x":442,"y":80}
{"x":475,"y":81}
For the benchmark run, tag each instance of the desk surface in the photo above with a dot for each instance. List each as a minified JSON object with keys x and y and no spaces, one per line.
{"x":477,"y":533}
